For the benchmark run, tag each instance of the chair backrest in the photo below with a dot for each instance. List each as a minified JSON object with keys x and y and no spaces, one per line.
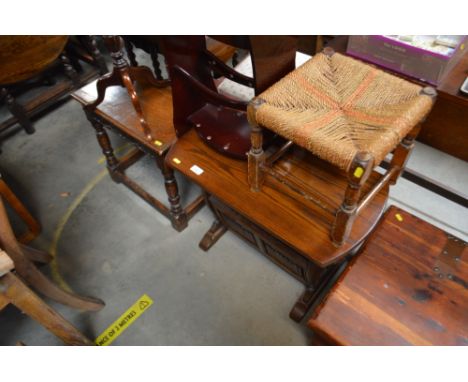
{"x":272,"y":56}
{"x":191,"y":68}
{"x":188,"y":53}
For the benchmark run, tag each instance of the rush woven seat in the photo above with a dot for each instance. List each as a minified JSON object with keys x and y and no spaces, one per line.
{"x":336,"y":106}
{"x":345,"y":112}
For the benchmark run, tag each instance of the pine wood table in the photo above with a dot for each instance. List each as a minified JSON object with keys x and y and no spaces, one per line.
{"x":290,"y":230}
{"x":408,"y":286}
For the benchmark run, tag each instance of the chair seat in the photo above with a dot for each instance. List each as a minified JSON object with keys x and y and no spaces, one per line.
{"x":117,"y":109}
{"x":335,"y":106}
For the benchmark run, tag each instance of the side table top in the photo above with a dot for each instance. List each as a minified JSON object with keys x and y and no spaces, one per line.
{"x":22,"y":57}
{"x":282,"y":212}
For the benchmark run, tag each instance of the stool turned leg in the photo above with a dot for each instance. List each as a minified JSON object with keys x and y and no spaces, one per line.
{"x":18,"y":111}
{"x":404,"y":149}
{"x":402,"y":153}
{"x":256,"y":155}
{"x":179,"y":218}
{"x":358,"y":173}
{"x":14,"y":291}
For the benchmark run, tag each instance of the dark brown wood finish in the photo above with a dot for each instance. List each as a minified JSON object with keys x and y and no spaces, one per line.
{"x":408,"y":286}
{"x":138,"y":107}
{"x":219,"y":120}
{"x":289,"y":229}
{"x":22,"y":57}
{"x":37,"y":62}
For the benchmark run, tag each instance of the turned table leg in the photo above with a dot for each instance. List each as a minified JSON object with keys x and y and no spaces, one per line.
{"x":178,"y":216}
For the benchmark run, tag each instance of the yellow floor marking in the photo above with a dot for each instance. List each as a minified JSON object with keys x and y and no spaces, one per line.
{"x":118,"y":150}
{"x":57,"y":277}
{"x":63,"y":221}
{"x":124,"y":321}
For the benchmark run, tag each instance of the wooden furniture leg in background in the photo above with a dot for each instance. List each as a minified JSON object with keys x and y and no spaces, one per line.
{"x":33,"y":225}
{"x":17,"y":110}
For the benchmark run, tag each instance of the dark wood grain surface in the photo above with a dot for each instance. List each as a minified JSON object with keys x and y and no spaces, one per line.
{"x":118,"y":110}
{"x":409,"y":286}
{"x":277,"y":209}
{"x":22,"y":57}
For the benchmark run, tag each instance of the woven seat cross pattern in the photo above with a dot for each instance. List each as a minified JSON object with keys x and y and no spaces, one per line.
{"x":335,"y":107}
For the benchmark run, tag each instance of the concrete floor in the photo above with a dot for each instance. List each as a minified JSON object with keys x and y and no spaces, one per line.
{"x":116,"y":247}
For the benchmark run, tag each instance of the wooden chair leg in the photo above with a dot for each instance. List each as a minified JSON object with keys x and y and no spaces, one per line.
{"x":33,"y":225}
{"x":26,"y":269}
{"x":106,"y":147}
{"x":18,"y":111}
{"x":256,"y":155}
{"x":14,"y":291}
{"x":36,"y":255}
{"x":358,"y":173}
{"x":179,"y":218}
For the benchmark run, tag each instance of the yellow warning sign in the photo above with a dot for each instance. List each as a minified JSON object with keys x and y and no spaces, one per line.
{"x":124,"y":321}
